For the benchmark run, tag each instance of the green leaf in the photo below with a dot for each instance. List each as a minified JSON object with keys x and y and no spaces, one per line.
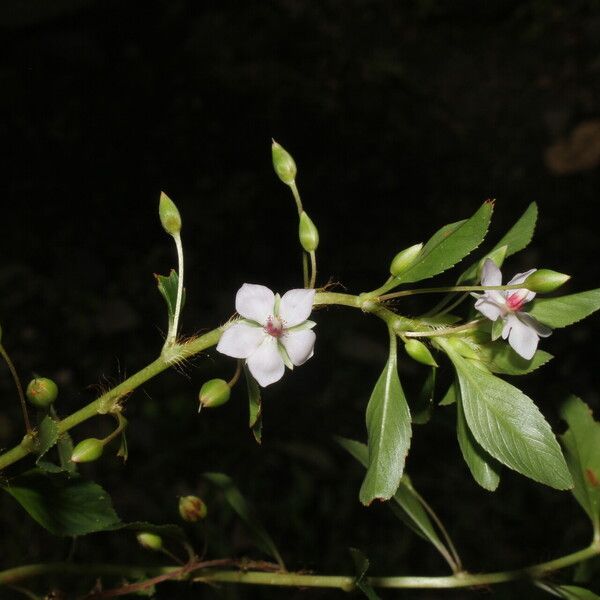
{"x":389,"y":432}
{"x":573,"y":592}
{"x":408,"y":505}
{"x":516,"y":239}
{"x":450,"y":396}
{"x":423,"y":409}
{"x":238,"y":503}
{"x":582,"y":449}
{"x":64,"y":505}
{"x":361,"y":564}
{"x":508,"y":425}
{"x":449,"y":245}
{"x":167,"y":286}
{"x":499,"y":357}
{"x":485,"y":470}
{"x":565,"y":310}
{"x":255,"y":405}
{"x":47,"y":436}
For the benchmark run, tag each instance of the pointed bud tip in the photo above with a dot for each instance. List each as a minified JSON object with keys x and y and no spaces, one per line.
{"x":41,"y":392}
{"x":283,"y":163}
{"x":169,"y":215}
{"x":87,"y":450}
{"x":308,"y":233}
{"x":149,"y":541}
{"x":545,"y":280}
{"x":420,"y":352}
{"x":214,"y":393}
{"x":405,"y":259}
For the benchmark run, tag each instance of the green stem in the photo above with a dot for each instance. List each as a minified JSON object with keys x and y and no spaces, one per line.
{"x":443,"y":332}
{"x":172,"y":335}
{"x":15,"y":376}
{"x":452,"y":288}
{"x":313,"y":270}
{"x":297,"y":198}
{"x":287,"y":579}
{"x":305,"y":278}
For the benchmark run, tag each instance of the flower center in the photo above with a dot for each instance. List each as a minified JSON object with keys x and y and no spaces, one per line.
{"x":274,"y":327}
{"x":516,"y":300}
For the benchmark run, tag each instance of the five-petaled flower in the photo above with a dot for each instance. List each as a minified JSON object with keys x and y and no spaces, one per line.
{"x":522,"y":330}
{"x":274,"y":332}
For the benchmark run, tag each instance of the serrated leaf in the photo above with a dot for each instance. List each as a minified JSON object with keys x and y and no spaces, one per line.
{"x":423,"y":408}
{"x":499,"y":357}
{"x":516,"y":239}
{"x":254,"y":405}
{"x":508,"y":425}
{"x":582,"y":449}
{"x":238,"y":503}
{"x":449,"y":245}
{"x":63,"y":504}
{"x":389,"y":432}
{"x":361,"y":565}
{"x":485,"y":470}
{"x":565,"y":310}
{"x":408,"y":506}
{"x":47,"y":436}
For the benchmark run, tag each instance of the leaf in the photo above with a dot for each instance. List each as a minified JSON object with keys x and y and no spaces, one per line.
{"x":389,"y":432}
{"x":255,"y":405}
{"x":508,"y":425}
{"x":423,"y":409}
{"x":582,"y":448}
{"x":485,"y":470}
{"x":361,"y":564}
{"x":450,"y":396}
{"x":499,"y":357}
{"x":47,"y":436}
{"x":517,"y":238}
{"x":237,"y":502}
{"x":64,"y":505}
{"x":565,"y":310}
{"x":65,"y":451}
{"x":167,"y":286}
{"x":407,"y":501}
{"x":449,"y":245}
{"x":573,"y":592}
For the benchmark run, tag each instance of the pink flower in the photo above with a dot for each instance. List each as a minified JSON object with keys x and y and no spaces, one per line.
{"x":275,"y":331}
{"x":521,"y":329}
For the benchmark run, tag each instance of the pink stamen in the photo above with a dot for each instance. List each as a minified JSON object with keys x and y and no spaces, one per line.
{"x":274,"y":327}
{"x":515,"y":301}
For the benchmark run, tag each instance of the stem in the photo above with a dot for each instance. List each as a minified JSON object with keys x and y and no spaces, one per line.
{"x":19,"y":387}
{"x":445,"y":331}
{"x":287,"y":579}
{"x":452,"y":288}
{"x":305,"y":269}
{"x":236,"y":375}
{"x":297,"y":198}
{"x":453,"y":305}
{"x":313,"y":269}
{"x":172,"y":335}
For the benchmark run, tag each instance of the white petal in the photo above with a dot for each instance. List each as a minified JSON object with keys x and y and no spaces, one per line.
{"x":265,"y":364}
{"x":241,"y":340}
{"x":541,"y":329}
{"x":299,"y":345}
{"x":490,"y":274}
{"x":523,"y":339}
{"x":255,"y":302}
{"x":488,"y":308}
{"x":521,"y":277}
{"x":296,"y":306}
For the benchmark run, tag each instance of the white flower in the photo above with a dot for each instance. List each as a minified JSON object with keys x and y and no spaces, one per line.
{"x":274,"y":332}
{"x":521,"y":329}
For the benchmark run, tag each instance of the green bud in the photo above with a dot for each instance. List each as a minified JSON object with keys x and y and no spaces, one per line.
{"x":192,"y":509}
{"x":309,"y":234}
{"x":214,"y":393}
{"x":545,"y":280}
{"x":464,"y":346}
{"x":169,"y":215}
{"x":149,"y":541}
{"x":283,"y":163}
{"x":420,"y":352}
{"x":405,"y":259}
{"x":87,"y":450}
{"x":41,"y":392}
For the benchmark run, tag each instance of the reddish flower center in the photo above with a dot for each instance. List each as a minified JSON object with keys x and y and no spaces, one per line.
{"x":515,"y":301}
{"x":274,"y":327}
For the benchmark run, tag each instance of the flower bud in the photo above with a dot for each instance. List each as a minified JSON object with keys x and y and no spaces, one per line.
{"x":214,"y":393}
{"x":420,"y":352}
{"x":283,"y":163}
{"x":169,"y":215}
{"x":309,"y":234}
{"x":41,"y":392}
{"x":87,"y":450}
{"x":149,"y":541}
{"x":545,"y":280}
{"x":192,"y":508}
{"x":405,"y":259}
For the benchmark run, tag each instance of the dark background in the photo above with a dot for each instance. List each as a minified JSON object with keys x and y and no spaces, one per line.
{"x":402,"y":116}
